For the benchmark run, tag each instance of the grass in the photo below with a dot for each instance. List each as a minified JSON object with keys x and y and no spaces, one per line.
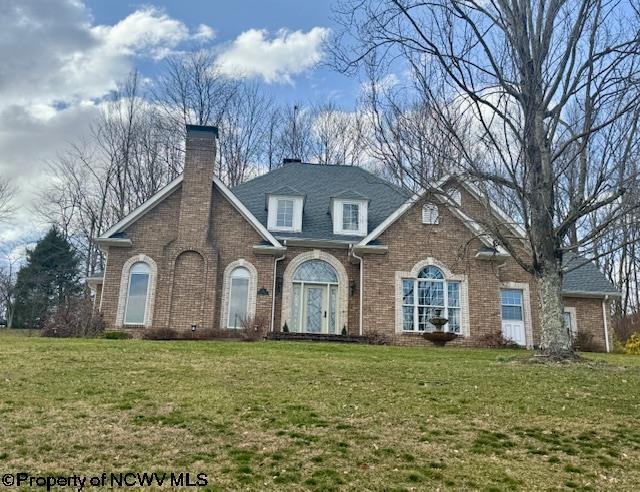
{"x":278,"y":415}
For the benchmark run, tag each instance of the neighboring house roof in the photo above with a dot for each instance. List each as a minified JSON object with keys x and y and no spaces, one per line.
{"x":320,"y":184}
{"x":114,"y":234}
{"x":584,"y":278}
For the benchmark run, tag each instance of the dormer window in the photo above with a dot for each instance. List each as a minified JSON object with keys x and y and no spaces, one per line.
{"x":350,"y":217}
{"x":285,"y":213}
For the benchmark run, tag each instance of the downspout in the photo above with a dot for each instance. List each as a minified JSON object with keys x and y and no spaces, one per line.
{"x":604,"y":318}
{"x":360,"y":288}
{"x":273,"y":291}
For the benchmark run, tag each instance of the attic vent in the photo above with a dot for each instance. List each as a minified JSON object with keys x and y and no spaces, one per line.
{"x":430,"y":214}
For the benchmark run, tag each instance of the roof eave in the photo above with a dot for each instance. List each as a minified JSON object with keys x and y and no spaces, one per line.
{"x":590,"y":294}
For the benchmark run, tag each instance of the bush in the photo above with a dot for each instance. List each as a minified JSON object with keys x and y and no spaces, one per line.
{"x":256,"y":332}
{"x":254,"y":328}
{"x":75,"y":318}
{"x":160,"y":334}
{"x":632,"y":346}
{"x":375,"y":338}
{"x":497,"y":340}
{"x":584,"y":342}
{"x":626,"y":326}
{"x":618,"y":346}
{"x":116,"y":335}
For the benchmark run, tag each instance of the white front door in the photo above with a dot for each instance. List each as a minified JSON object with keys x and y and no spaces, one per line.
{"x":513,"y":316}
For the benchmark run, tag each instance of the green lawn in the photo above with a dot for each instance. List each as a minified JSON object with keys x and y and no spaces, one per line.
{"x":318,"y":416}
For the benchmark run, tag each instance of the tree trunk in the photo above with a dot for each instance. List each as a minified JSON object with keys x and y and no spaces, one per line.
{"x":555,"y":340}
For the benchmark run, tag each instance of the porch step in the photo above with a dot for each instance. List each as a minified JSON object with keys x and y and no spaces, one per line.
{"x":315,"y":337}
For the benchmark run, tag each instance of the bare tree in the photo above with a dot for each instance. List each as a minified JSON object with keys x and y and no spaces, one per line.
{"x":7,"y":195}
{"x":8,"y":270}
{"x":337,"y":135}
{"x":244,"y":133}
{"x":191,"y":90}
{"x":543,"y":84}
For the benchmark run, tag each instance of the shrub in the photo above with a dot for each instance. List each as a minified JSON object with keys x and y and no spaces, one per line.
{"x":626,"y":326}
{"x":285,"y":328}
{"x":116,"y":335}
{"x":160,"y":334}
{"x":618,"y":346}
{"x":208,"y":334}
{"x":633,"y":344}
{"x":254,"y":328}
{"x":74,"y":318}
{"x":198,"y":334}
{"x":584,"y":342}
{"x":344,"y":331}
{"x":497,"y":340}
{"x":375,"y":338}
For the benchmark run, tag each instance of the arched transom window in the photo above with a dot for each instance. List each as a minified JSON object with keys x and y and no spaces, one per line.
{"x":315,"y":293}
{"x":428,"y":295}
{"x":137,"y":292}
{"x":238,"y":309}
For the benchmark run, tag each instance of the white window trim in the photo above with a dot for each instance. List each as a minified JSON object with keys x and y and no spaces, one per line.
{"x":362,"y":217}
{"x":226,"y":291}
{"x":448,"y":275}
{"x":342,"y":308}
{"x":124,"y":291}
{"x":574,"y":319}
{"x":272,"y":215}
{"x":526,"y":308}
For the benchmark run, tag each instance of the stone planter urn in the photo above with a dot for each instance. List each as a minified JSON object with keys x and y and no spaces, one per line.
{"x":439,"y":337}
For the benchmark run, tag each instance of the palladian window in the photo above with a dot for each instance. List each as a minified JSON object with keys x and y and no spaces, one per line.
{"x":424,"y":296}
{"x":137,"y":292}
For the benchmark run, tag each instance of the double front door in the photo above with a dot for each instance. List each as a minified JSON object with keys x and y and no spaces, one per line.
{"x":315,"y":309}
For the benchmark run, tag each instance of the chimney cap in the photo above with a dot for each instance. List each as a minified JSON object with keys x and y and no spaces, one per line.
{"x":193,"y":129}
{"x":289,"y":160}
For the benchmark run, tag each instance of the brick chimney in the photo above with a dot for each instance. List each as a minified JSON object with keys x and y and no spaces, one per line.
{"x":197,"y":183}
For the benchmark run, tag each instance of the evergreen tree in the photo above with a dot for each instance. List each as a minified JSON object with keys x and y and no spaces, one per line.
{"x":49,"y":279}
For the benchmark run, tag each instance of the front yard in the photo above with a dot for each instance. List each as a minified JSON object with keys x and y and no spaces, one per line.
{"x":318,"y":416}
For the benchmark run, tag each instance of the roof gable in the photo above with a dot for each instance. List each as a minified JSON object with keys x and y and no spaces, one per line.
{"x":163,"y":193}
{"x":440,"y":196}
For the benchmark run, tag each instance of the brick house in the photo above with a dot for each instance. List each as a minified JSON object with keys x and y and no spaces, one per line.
{"x":326,"y":250}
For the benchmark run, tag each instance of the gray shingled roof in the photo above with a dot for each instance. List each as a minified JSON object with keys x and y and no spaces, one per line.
{"x":319,"y":184}
{"x":583,"y":276}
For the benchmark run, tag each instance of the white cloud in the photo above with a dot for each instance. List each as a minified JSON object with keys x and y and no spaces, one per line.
{"x":57,"y":64}
{"x":254,"y":54}
{"x":52,"y":53}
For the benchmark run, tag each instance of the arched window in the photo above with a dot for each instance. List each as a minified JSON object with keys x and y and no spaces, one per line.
{"x":238,"y":308}
{"x":137,"y":293}
{"x":427,"y":296}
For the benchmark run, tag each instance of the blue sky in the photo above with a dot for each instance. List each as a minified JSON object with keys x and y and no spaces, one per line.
{"x":230,"y":18}
{"x":61,"y":58}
